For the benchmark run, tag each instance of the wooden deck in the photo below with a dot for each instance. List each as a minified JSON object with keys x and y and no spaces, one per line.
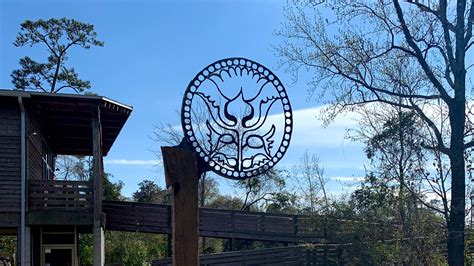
{"x":218,"y":223}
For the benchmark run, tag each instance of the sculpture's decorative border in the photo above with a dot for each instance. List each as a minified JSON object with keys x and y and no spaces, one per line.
{"x":237,"y":167}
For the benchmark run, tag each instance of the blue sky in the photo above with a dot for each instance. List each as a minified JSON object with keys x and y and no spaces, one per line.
{"x":153,"y":49}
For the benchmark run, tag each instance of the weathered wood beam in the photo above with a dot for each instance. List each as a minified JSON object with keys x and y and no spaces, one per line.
{"x":182,"y":174}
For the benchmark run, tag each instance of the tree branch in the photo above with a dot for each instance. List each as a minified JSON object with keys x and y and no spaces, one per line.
{"x":431,"y":124}
{"x":470,"y":21}
{"x":419,"y":56}
{"x":426,"y":8}
{"x":66,"y":86}
{"x":256,"y":200}
{"x":43,"y":38}
{"x":468,"y":145}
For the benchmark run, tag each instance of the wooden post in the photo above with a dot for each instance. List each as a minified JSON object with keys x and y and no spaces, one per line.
{"x":232,"y":240}
{"x":169,"y":242}
{"x":181,"y":173}
{"x":98,"y":231}
{"x":325,"y":245}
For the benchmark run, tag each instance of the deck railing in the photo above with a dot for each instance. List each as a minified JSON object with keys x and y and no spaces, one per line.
{"x":220,"y":223}
{"x":60,"y":195}
{"x":290,"y":255}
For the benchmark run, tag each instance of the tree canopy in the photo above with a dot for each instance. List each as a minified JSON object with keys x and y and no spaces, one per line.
{"x":58,"y":36}
{"x":411,"y":55}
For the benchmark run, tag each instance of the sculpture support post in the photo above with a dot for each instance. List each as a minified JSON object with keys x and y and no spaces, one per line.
{"x":181,"y":173}
{"x":219,"y":145}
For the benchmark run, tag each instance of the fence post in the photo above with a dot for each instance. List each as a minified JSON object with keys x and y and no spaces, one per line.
{"x":169,"y":236}
{"x":339,"y":255}
{"x":182,"y":174}
{"x":232,"y":240}
{"x":295,"y":226}
{"x":308,"y":256}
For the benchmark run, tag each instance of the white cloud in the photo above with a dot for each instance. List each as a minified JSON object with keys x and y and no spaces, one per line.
{"x":308,"y":129}
{"x":313,"y":114}
{"x":132,"y":162}
{"x":347,"y":178}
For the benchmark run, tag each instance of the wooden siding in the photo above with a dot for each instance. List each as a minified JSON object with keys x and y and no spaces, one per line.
{"x":10,"y":161}
{"x":36,"y":149}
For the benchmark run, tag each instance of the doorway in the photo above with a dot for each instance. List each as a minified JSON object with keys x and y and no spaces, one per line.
{"x":58,"y":246}
{"x":58,"y":255}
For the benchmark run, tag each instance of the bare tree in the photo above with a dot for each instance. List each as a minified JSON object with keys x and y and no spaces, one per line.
{"x":310,"y":182}
{"x":73,"y":167}
{"x":384,"y":51}
{"x":262,"y":190}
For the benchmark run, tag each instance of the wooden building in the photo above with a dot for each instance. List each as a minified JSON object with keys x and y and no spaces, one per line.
{"x":47,"y":214}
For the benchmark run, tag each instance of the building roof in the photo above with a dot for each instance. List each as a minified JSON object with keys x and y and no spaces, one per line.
{"x":66,"y":119}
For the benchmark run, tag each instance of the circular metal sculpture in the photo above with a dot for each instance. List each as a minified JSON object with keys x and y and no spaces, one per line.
{"x":237,"y":118}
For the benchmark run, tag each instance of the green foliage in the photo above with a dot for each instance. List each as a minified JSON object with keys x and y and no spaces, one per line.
{"x":207,"y":190}
{"x":374,"y":196}
{"x":7,"y":250}
{"x":150,"y":192}
{"x":112,"y":191}
{"x":125,"y":248}
{"x":85,"y":246}
{"x":264,"y":190}
{"x":212,"y":245}
{"x":373,"y":233}
{"x":226,"y":202}
{"x":134,"y":249}
{"x":401,"y":125}
{"x":283,"y":202}
{"x":58,"y":35}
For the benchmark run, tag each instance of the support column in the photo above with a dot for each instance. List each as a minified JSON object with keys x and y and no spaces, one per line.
{"x":99,"y":246}
{"x":182,"y":174}
{"x":24,"y":232}
{"x":98,"y":230}
{"x":27,"y":239}
{"x":23,"y":256}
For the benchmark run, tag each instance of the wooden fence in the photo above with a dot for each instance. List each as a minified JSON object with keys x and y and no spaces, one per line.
{"x":60,"y":195}
{"x":290,"y":255}
{"x":219,"y":223}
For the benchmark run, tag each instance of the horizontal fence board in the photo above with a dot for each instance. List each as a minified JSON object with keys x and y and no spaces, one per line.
{"x":60,"y":195}
{"x":291,"y":255}
{"x":219,"y":223}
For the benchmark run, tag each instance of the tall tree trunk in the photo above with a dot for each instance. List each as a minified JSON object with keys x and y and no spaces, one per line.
{"x":458,"y":184}
{"x":458,"y":120}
